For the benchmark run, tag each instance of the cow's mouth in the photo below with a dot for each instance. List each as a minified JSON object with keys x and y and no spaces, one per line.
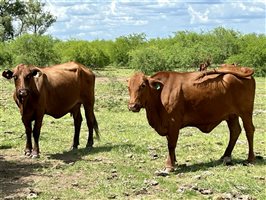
{"x":21,"y":99}
{"x":134,"y":107}
{"x":22,"y":95}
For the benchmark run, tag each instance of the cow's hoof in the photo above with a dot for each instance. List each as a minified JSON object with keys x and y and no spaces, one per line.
{"x":89,"y":148}
{"x":165,"y":172}
{"x":27,"y":153}
{"x":35,"y":156}
{"x":73,"y":148}
{"x":247,"y":163}
{"x":227,"y":160}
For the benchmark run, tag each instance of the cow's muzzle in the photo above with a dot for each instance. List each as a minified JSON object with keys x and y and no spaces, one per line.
{"x":22,"y":93}
{"x":134,"y":107}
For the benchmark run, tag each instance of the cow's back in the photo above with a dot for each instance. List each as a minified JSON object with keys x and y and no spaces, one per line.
{"x":65,"y":85}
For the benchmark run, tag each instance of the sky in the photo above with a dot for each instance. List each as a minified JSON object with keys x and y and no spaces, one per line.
{"x":110,"y":19}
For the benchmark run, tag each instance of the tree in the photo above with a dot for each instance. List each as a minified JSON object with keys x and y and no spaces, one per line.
{"x":36,"y":20}
{"x":18,"y":17}
{"x":9,"y":11}
{"x":123,"y":45}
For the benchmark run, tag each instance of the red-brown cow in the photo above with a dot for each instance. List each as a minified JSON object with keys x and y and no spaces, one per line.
{"x":56,"y":91}
{"x":200,"y":99}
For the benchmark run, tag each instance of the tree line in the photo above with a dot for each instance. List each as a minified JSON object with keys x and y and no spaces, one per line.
{"x":184,"y":50}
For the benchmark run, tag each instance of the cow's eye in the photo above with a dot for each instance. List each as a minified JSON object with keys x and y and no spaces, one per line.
{"x":143,"y":85}
{"x":15,"y":77}
{"x":28,"y":76}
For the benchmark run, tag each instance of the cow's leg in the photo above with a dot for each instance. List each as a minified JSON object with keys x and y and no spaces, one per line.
{"x":171,"y":158}
{"x":249,"y":129}
{"x":235,"y":130}
{"x":90,"y":123}
{"x":77,"y":123}
{"x":36,"y":134}
{"x":28,"y":130}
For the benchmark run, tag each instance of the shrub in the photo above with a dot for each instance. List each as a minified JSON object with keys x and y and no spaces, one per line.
{"x":124,"y":45}
{"x":5,"y":55}
{"x":34,"y":49}
{"x":148,"y":60}
{"x":83,"y":52}
{"x":252,"y":53}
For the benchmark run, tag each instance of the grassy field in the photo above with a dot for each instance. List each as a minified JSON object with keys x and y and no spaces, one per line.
{"x":123,"y":163}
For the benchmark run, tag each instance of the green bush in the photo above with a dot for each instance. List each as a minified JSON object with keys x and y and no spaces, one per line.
{"x":34,"y":49}
{"x":252,"y":53}
{"x":83,"y":52}
{"x":186,"y":57}
{"x":123,"y":46}
{"x":148,"y":60}
{"x":5,"y":56}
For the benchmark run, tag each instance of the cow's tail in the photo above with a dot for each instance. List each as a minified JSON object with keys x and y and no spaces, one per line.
{"x":96,"y":128}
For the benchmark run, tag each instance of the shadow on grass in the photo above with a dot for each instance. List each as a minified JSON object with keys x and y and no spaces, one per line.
{"x":214,"y":163}
{"x":77,"y":154}
{"x":16,"y":177}
{"x":5,"y":146}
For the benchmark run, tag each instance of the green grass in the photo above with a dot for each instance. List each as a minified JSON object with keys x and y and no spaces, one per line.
{"x":123,"y":162}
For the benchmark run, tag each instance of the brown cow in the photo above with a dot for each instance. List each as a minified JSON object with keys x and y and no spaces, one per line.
{"x":200,"y":99}
{"x":56,"y":91}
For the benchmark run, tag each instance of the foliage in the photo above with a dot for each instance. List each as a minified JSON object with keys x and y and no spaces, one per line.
{"x":34,"y":49}
{"x":188,"y":49}
{"x":225,"y":43}
{"x":18,"y":17}
{"x":123,"y":45}
{"x":9,"y":11}
{"x":35,"y":20}
{"x":5,"y":56}
{"x":148,"y":59}
{"x":252,"y":52}
{"x":83,"y":52}
{"x":185,"y":50}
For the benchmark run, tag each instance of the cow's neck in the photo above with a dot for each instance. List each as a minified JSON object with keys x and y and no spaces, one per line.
{"x":156,"y":115}
{"x":26,"y":107}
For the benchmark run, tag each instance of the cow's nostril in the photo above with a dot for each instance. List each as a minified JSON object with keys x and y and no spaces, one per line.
{"x":23,"y":92}
{"x":134,"y":107}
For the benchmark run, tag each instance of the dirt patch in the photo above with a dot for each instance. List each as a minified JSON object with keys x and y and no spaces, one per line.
{"x":18,"y":174}
{"x":102,"y":79}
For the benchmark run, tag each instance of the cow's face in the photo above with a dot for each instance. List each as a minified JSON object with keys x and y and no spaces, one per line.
{"x":140,"y":89}
{"x":23,"y":77}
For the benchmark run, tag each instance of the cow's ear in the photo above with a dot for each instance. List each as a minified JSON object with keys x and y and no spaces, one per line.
{"x":36,"y":72}
{"x":7,"y":74}
{"x":155,"y":84}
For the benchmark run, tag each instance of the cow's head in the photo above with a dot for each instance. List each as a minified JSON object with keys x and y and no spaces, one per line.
{"x":141,"y":89}
{"x":24,"y":80}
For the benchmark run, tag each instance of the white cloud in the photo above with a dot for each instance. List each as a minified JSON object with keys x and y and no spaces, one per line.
{"x":89,"y":19}
{"x":113,"y":7}
{"x":198,"y":17}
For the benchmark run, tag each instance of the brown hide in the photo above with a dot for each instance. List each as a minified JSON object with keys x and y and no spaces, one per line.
{"x":175,"y":100}
{"x":56,"y":91}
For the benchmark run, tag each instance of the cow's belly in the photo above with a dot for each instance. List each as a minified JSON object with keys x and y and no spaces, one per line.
{"x":57,"y":114}
{"x":206,"y":122}
{"x":59,"y":109}
{"x":207,"y":128}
